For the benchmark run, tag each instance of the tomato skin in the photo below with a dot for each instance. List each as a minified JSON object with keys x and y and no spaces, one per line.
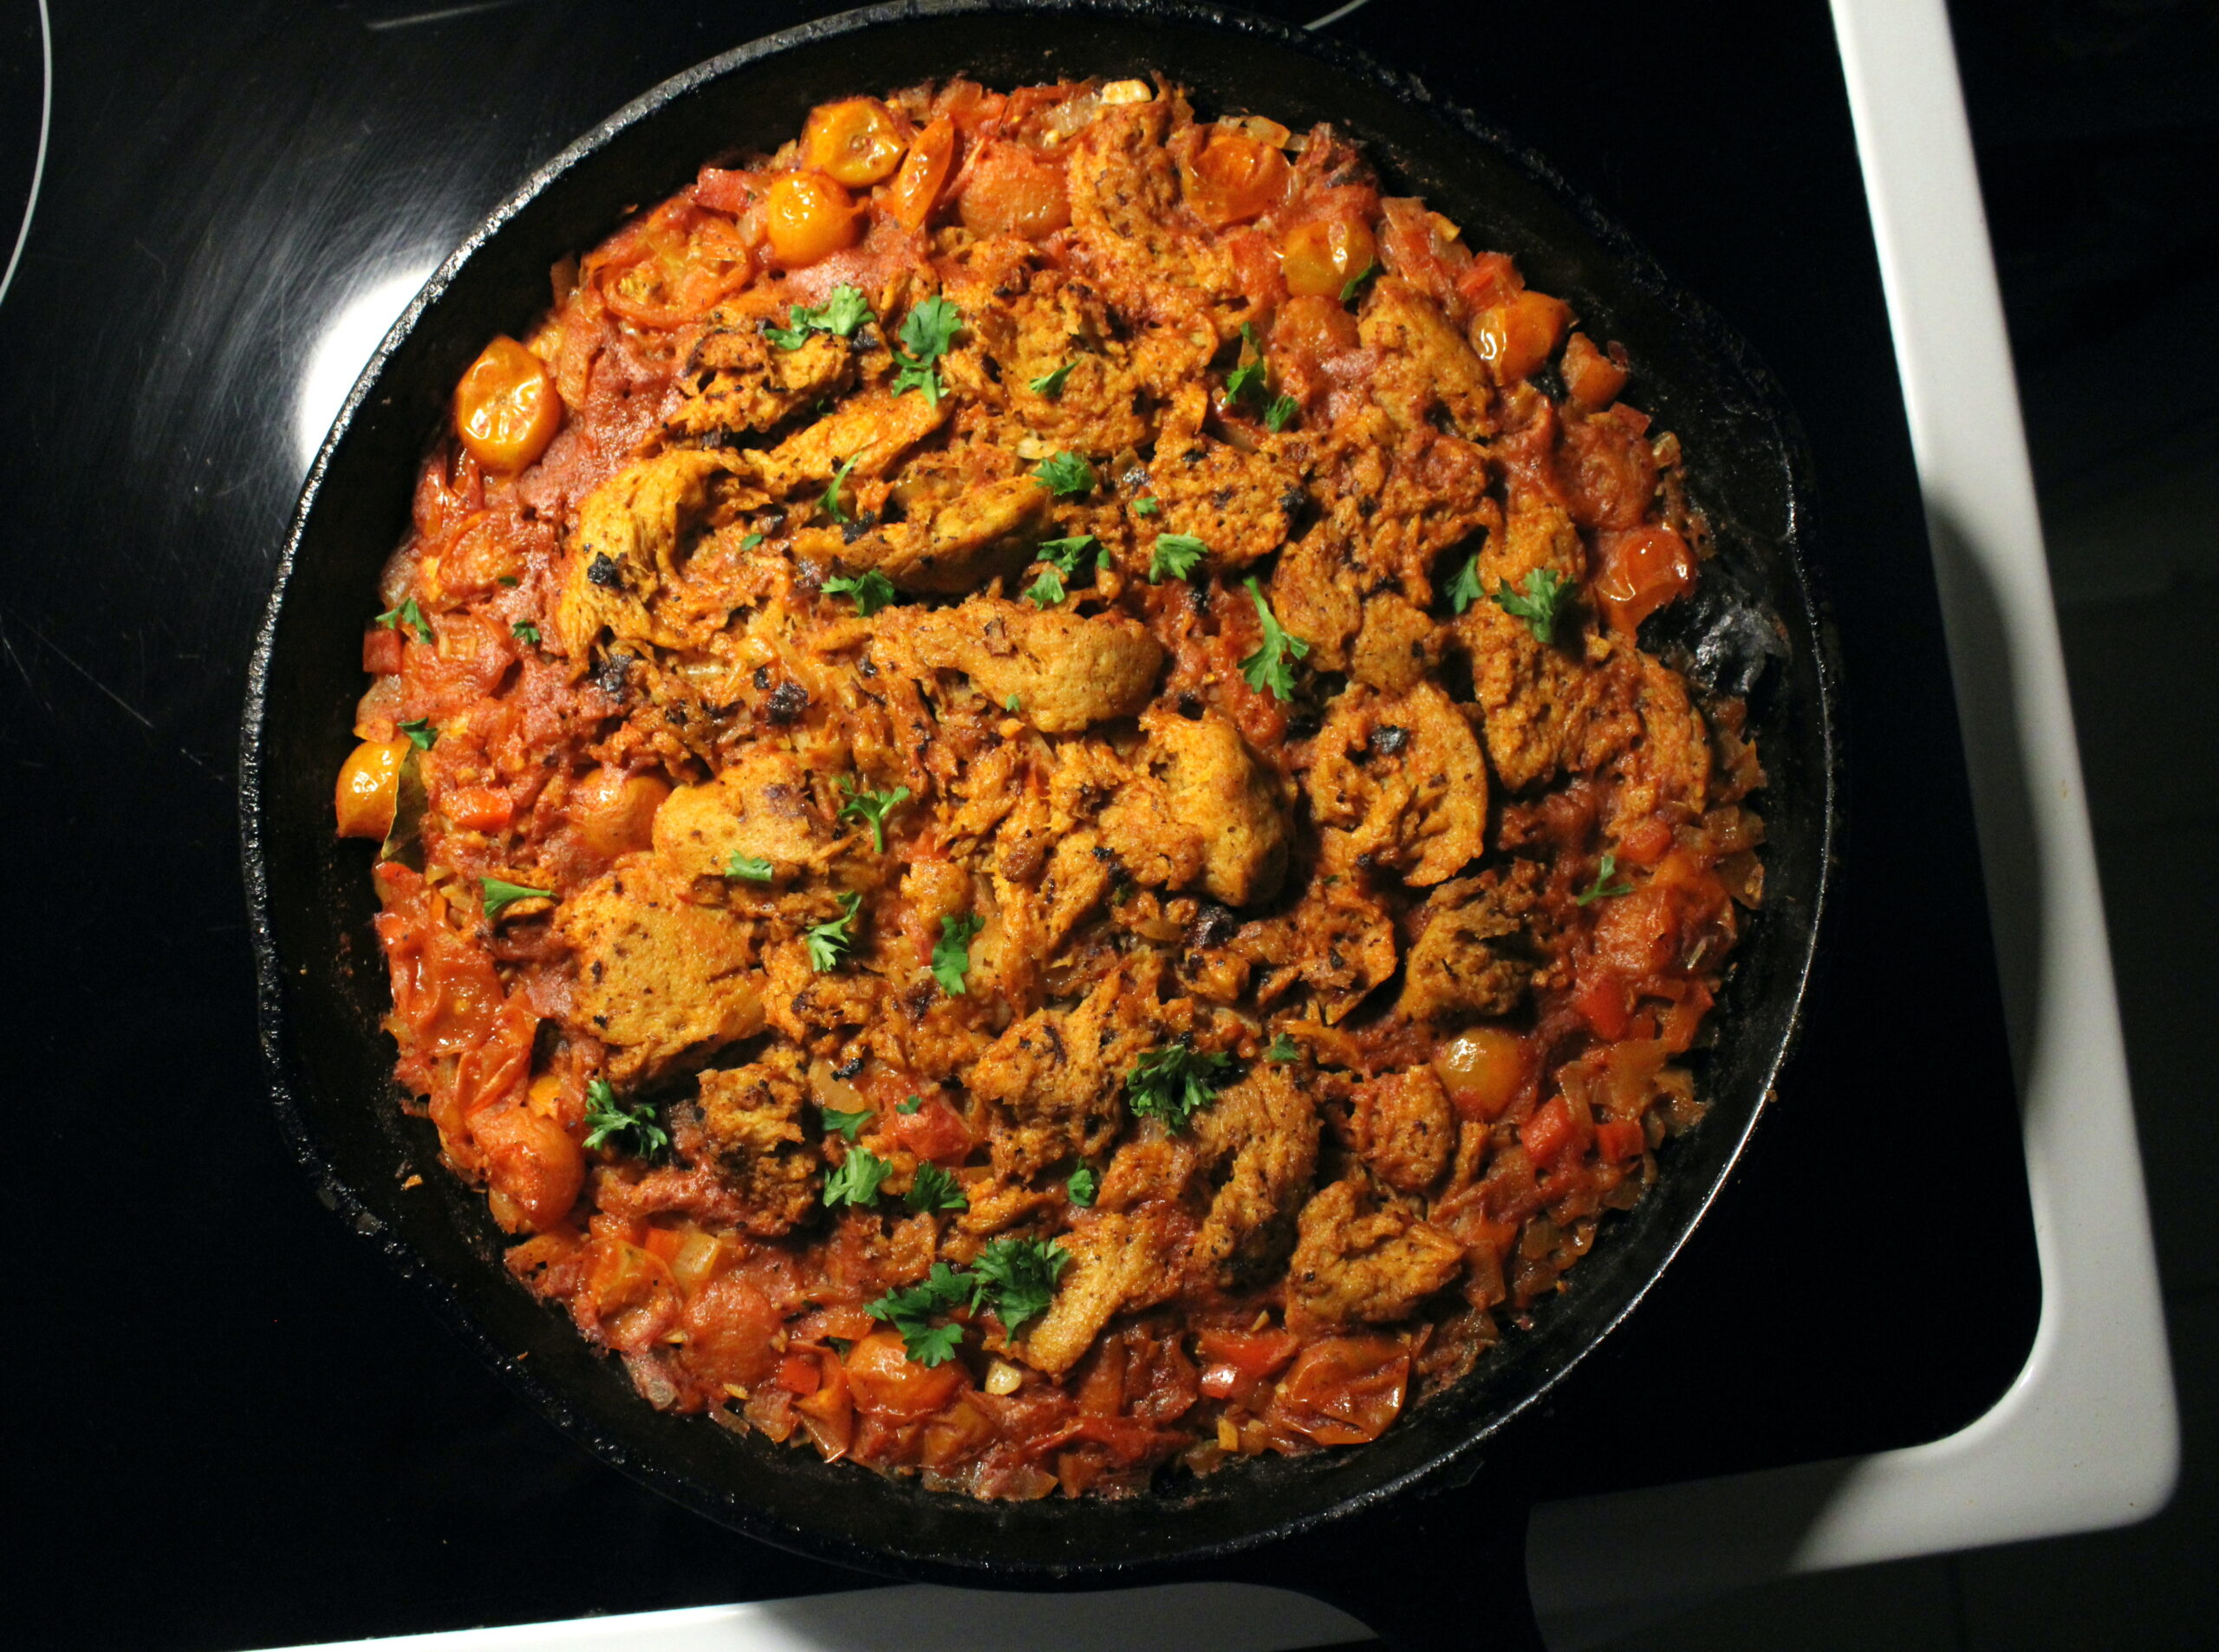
{"x":477,"y":809}
{"x":1320,"y":257}
{"x":1343,"y":1391}
{"x":935,"y":1131}
{"x":854,"y":142}
{"x":382,"y":651}
{"x":533,"y":1160}
{"x":368,"y":782}
{"x":1008,"y":191}
{"x":887,"y":1383}
{"x":1517,"y":338}
{"x":1591,"y":378}
{"x":808,"y":216}
{"x":730,"y":1327}
{"x":507,"y":409}
{"x":916,"y":188}
{"x":1238,"y":1362}
{"x":1549,"y":1133}
{"x":446,"y":993}
{"x":799,"y":1374}
{"x":1617,"y":1140}
{"x":1642,"y":569}
{"x":1604,"y":1002}
{"x":671,"y":266}
{"x":1483,"y":1069}
{"x":1235,"y":177}
{"x":631,"y":1292}
{"x":723,"y":191}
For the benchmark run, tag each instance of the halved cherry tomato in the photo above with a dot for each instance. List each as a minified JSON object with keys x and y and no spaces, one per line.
{"x":1518,"y":337}
{"x":1344,"y":1391}
{"x":1320,"y":257}
{"x":533,"y":1162}
{"x":807,"y":216}
{"x":369,"y":781}
{"x":672,"y":266}
{"x":1592,"y":378}
{"x":1643,"y":568}
{"x":1235,"y":178}
{"x":916,"y":189}
{"x":383,"y":649}
{"x":505,"y":408}
{"x":1483,"y":1069}
{"x":613,"y":813}
{"x":853,"y":142}
{"x":444,"y":990}
{"x":889,"y":1383}
{"x":1010,"y":190}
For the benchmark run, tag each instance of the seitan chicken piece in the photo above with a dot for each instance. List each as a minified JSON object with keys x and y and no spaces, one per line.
{"x":1316,"y":592}
{"x":751,"y":1124}
{"x":736,"y":380}
{"x":1239,"y":505}
{"x":1404,"y":1128}
{"x":1472,"y":955}
{"x":658,"y":978}
{"x":633,"y":534}
{"x":1258,"y":1142}
{"x":986,"y":530}
{"x":1052,"y":1083}
{"x":1065,"y":671}
{"x":759,"y":809}
{"x":1399,"y":646}
{"x":872,"y":430}
{"x":1199,"y":810}
{"x":1358,"y":1266}
{"x":1424,"y":362}
{"x":1397,"y":782}
{"x":1669,"y":767}
{"x":1119,"y":1263}
{"x":1339,"y":941}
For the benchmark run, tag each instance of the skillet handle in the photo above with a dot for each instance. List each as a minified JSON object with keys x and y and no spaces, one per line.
{"x":1423,"y":1572}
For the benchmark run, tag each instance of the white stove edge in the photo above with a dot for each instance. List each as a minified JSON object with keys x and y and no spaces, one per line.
{"x":2087,"y":1436}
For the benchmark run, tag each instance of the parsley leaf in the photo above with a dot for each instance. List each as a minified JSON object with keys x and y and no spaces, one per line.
{"x":933,"y":1188}
{"x":1012,"y":706}
{"x":750,"y":541}
{"x":840,"y":315}
{"x":1606,"y":883}
{"x":910,"y":1308}
{"x":1545,"y":590}
{"x":1172,"y":1082}
{"x":1019,"y":1276}
{"x":1271,"y":667}
{"x":1281,"y":412}
{"x":872,"y":807}
{"x":1147,"y":507}
{"x":855,"y":1181}
{"x":872,"y":591}
{"x":753,"y":868}
{"x":1464,"y":588}
{"x":831,"y":499}
{"x":1349,"y":288}
{"x":606,"y":1121}
{"x":500,"y":894}
{"x":910,"y":1106}
{"x":827,"y":943}
{"x":1175,"y":557}
{"x":1051,"y":385}
{"x":524,"y":630}
{"x":931,"y":1345}
{"x":1047,"y":590}
{"x":952,"y":952}
{"x":1073,"y":556}
{"x":844,"y":1124}
{"x":1283,"y":1049}
{"x":1246,"y":381}
{"x":1065,"y":475}
{"x":407,"y":614}
{"x":1081,"y":1189}
{"x":420,"y":733}
{"x":927,"y":331}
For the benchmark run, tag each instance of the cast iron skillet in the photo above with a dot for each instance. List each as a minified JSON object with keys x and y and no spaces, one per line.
{"x":1756,"y":626}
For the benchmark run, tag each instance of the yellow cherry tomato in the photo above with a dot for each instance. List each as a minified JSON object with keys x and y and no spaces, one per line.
{"x":506,"y":406}
{"x":807,"y":216}
{"x":855,"y":142}
{"x":1321,"y":257}
{"x":367,"y":783}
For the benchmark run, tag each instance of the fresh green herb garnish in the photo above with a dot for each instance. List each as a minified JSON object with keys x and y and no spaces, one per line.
{"x":840,"y":314}
{"x":1065,"y":475}
{"x":933,"y":1188}
{"x":910,"y":1106}
{"x":1546,"y":590}
{"x":420,"y":733}
{"x":910,"y":1310}
{"x":1606,"y":883}
{"x":1051,"y":385}
{"x":1349,"y":287}
{"x":927,"y":331}
{"x":1070,"y":556}
{"x":1247,"y":381}
{"x":952,"y":951}
{"x":1271,"y":665}
{"x":407,"y":615}
{"x":509,"y":580}
{"x":848,"y":1125}
{"x":871,"y":591}
{"x":831,"y":499}
{"x":750,"y":541}
{"x":871,"y":807}
{"x":827,"y":943}
{"x":753,"y":868}
{"x":854,"y":1179}
{"x":1012,"y":706}
{"x":500,"y":894}
{"x":1172,"y":1082}
{"x":1464,"y":588}
{"x":1080,"y":1189}
{"x":1147,"y":507}
{"x":1175,"y":557}
{"x":1281,"y":412}
{"x":1283,"y":1049}
{"x":524,"y":630}
{"x":606,"y":1121}
{"x":1047,"y":590}
{"x":1019,"y":1276}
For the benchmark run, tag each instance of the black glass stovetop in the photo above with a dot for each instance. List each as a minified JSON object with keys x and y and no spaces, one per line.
{"x":231,"y":1427}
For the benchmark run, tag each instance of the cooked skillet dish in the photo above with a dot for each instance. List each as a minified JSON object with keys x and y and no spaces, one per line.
{"x":1025,"y":833}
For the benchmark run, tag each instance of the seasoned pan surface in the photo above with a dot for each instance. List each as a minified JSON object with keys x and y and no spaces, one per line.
{"x":1754,"y":626}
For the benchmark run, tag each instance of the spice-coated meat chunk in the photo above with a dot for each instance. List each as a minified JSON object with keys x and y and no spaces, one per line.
{"x":751,"y":1121}
{"x":1065,"y":671}
{"x":1052,"y":1082}
{"x":1356,"y":1262}
{"x":658,"y":978}
{"x":760,"y":809}
{"x":1201,"y":809}
{"x":1472,"y":956}
{"x":1404,"y":1128}
{"x":1397,"y":782}
{"x":1119,"y":1264}
{"x":1259,"y":1140}
{"x":737,"y":381}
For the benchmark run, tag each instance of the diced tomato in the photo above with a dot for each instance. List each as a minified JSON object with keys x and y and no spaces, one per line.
{"x":1238,"y":1362}
{"x":1592,"y":379}
{"x":1641,"y":569}
{"x":725,"y":191}
{"x":1636,"y":935}
{"x":889,"y":1383}
{"x":445,"y":991}
{"x":1617,"y":1138}
{"x":800,"y":1374}
{"x":1492,"y":280}
{"x":935,"y":1131}
{"x":1645,"y":843}
{"x":1604,"y":1002}
{"x":381,"y":651}
{"x":477,"y":809}
{"x":1548,"y":1133}
{"x":1343,"y":1391}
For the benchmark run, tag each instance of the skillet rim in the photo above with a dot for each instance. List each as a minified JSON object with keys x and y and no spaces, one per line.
{"x":1454,"y":1463}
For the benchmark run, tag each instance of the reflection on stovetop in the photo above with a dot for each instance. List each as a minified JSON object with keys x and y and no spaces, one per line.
{"x":235,"y":204}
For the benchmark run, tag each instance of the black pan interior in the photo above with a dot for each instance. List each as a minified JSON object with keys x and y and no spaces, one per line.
{"x":323,"y":987}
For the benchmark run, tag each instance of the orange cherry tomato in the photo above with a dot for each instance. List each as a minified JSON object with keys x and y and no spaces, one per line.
{"x":1012,"y":192}
{"x":916,"y":189}
{"x":1591,"y":377}
{"x":1517,"y":338}
{"x":1321,"y":257}
{"x":854,"y":142}
{"x":369,"y":781}
{"x":935,"y":1131}
{"x":1483,"y":1069}
{"x":530,"y":1158}
{"x":889,"y":1383}
{"x":1643,"y":568}
{"x":807,"y":216}
{"x":1235,"y":177}
{"x":731,"y":1331}
{"x":613,"y":813}
{"x":506,"y":408}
